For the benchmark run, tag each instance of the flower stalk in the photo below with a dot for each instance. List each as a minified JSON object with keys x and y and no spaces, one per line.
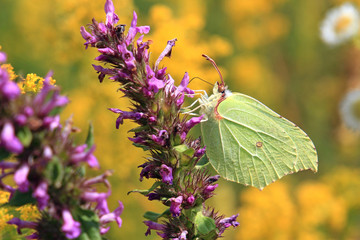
{"x":48,"y":168}
{"x":180,"y":183}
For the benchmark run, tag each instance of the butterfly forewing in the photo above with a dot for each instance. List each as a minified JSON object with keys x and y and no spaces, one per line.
{"x":253,"y":145}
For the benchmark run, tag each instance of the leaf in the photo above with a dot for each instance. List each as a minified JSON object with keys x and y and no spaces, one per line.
{"x":250,"y":144}
{"x":155,"y":216}
{"x":90,"y":227}
{"x":146,"y":192}
{"x":20,"y":199}
{"x":54,"y":172}
{"x":203,"y":224}
{"x":90,"y":137}
{"x":4,"y":154}
{"x":25,"y":136}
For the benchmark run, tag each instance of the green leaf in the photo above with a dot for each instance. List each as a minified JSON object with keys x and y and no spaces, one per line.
{"x":90,"y":137}
{"x":204,"y":225}
{"x":146,"y":192}
{"x":155,"y":216}
{"x":90,"y":227}
{"x":4,"y":154}
{"x":202,"y":162}
{"x":54,"y":172}
{"x":25,"y":136}
{"x":249,"y":143}
{"x":20,"y":199}
{"x":181,"y":148}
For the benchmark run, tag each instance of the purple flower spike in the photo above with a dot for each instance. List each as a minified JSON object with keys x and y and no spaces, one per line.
{"x":71,"y":228}
{"x":22,"y":224}
{"x":154,"y":83}
{"x":3,"y":57}
{"x":41,"y":195}
{"x":175,"y":206}
{"x":111,"y":17}
{"x":9,"y":140}
{"x":20,"y":177}
{"x":153,"y":226}
{"x":166,"y":174}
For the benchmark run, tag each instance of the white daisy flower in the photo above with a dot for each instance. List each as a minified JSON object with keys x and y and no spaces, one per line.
{"x":340,"y":24}
{"x":350,"y":109}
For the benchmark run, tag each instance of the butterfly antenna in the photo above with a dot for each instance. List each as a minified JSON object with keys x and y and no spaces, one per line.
{"x":217,"y":69}
{"x":201,"y":80}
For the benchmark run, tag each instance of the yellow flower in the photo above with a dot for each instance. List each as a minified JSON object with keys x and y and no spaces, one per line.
{"x":33,"y":83}
{"x":10,"y":70}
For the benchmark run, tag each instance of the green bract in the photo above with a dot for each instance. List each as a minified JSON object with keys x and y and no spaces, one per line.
{"x":248,"y":143}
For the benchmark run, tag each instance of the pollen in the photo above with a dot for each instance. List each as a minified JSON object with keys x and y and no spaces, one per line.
{"x":342,"y":23}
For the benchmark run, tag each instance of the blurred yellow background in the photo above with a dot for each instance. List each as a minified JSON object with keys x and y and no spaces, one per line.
{"x":268,"y":49}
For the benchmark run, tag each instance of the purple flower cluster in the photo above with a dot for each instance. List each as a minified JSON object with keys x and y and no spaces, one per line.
{"x":156,"y":107}
{"x":47,"y":166}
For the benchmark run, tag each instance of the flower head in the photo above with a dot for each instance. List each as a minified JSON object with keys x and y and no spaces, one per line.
{"x":340,"y":24}
{"x":350,"y":109}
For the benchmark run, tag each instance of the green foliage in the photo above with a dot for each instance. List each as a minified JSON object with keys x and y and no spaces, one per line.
{"x":20,"y":199}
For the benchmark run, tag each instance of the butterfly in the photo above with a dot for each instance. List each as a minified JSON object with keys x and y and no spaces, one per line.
{"x":248,"y":143}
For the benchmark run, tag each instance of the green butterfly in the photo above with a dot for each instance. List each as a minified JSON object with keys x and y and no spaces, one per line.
{"x":248,"y":143}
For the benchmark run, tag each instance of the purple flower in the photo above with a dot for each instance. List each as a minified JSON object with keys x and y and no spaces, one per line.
{"x":230,"y":221}
{"x":111,"y":17}
{"x":210,"y":189}
{"x":166,"y":174}
{"x":190,"y":200}
{"x":22,"y":224}
{"x":125,"y":115}
{"x":166,"y":52}
{"x":175,"y":206}
{"x":182,"y":89}
{"x":200,"y":152}
{"x":183,"y":235}
{"x":71,"y":228}
{"x":114,"y":216}
{"x":133,"y":30}
{"x":154,"y":83}
{"x":128,"y":57}
{"x":20,"y":177}
{"x":153,"y":226}
{"x":190,"y":124}
{"x":107,"y":51}
{"x":41,"y":195}
{"x":9,"y":140}
{"x":161,"y":137}
{"x":3,"y":57}
{"x":80,"y":155}
{"x":85,"y":34}
{"x":9,"y":89}
{"x":153,"y":196}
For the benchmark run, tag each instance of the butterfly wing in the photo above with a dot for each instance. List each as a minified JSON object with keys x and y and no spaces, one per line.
{"x":253,"y":145}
